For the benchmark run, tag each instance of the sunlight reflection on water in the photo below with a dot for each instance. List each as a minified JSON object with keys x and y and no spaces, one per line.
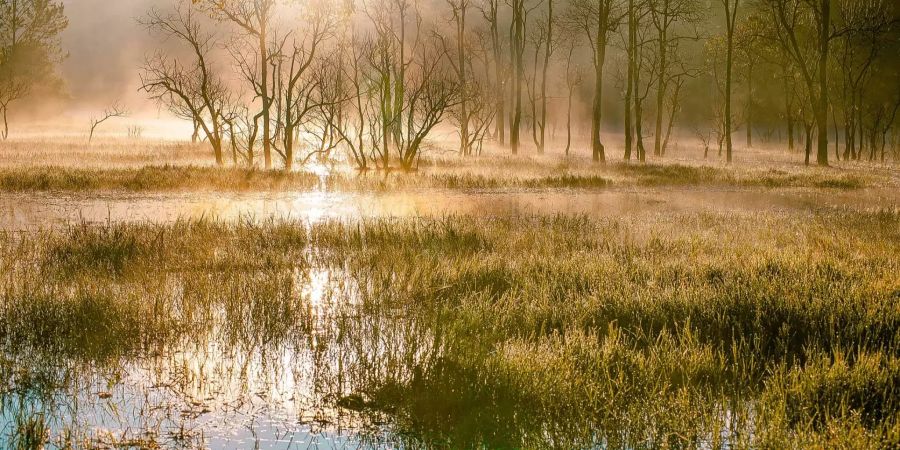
{"x":22,"y":212}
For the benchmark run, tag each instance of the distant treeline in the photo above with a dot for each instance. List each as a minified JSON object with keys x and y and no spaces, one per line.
{"x":281,"y":82}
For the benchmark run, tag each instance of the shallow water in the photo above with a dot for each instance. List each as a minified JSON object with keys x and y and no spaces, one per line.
{"x":228,"y":383}
{"x":274,"y":380}
{"x":44,"y":210}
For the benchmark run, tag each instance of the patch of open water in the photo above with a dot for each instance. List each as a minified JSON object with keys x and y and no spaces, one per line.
{"x":45,"y":210}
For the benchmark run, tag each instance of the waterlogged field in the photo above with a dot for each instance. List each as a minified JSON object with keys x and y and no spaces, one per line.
{"x":536,"y":304}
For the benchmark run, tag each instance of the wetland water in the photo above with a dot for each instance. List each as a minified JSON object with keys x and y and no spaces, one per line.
{"x":313,"y":351}
{"x":45,"y":210}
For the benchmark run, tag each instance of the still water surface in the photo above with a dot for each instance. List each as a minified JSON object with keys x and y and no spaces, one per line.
{"x":43,"y":210}
{"x":234,"y":384}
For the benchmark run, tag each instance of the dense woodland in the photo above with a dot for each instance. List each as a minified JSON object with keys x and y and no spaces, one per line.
{"x":279,"y":83}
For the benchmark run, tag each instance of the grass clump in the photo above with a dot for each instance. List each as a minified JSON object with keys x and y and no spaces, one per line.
{"x":712,"y":330}
{"x":199,"y":178}
{"x":152,"y":178}
{"x":692,"y":175}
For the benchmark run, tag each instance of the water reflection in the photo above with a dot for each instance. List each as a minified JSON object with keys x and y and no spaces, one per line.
{"x":234,"y":380}
{"x":29,"y":211}
{"x":426,"y":336}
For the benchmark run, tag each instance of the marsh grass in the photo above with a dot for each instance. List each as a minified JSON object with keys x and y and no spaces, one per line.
{"x":681,"y":174}
{"x":759,"y":330}
{"x":152,"y":178}
{"x":197,"y":178}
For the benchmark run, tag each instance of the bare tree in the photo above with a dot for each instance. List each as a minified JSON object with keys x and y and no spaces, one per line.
{"x":242,"y":129}
{"x":803,"y":30}
{"x":111,"y":112}
{"x":517,"y":51}
{"x":429,"y":94}
{"x":574,"y":79}
{"x":254,"y":19}
{"x":479,"y":95}
{"x":635,"y":16}
{"x":550,"y":44}
{"x":490,"y":11}
{"x":865,"y":27}
{"x":665,"y":16}
{"x":596,"y":19}
{"x":459,"y":60}
{"x":297,"y":88}
{"x":12,"y":88}
{"x":191,"y":91}
{"x":349,"y":87}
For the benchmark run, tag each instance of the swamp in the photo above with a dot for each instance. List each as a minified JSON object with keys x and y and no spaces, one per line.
{"x":420,"y":224}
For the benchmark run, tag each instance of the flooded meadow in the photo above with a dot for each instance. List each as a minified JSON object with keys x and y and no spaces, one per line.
{"x":556,"y":306}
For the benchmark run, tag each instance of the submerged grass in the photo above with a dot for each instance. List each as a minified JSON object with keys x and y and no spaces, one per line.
{"x":187,"y":178}
{"x":766,"y":330}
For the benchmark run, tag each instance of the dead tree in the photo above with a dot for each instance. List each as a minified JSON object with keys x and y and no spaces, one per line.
{"x":596,"y":20}
{"x":109,"y":113}
{"x":254,"y":19}
{"x":517,"y":52}
{"x":490,"y":10}
{"x":550,"y":44}
{"x":574,"y":79}
{"x":459,"y":61}
{"x":428,"y":95}
{"x":296,"y":87}
{"x":731,"y":8}
{"x":666,"y":16}
{"x":803,"y":30}
{"x":192,"y":91}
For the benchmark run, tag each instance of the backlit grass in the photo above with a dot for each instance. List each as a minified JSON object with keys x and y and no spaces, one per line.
{"x":765,"y":330}
{"x":194,"y":178}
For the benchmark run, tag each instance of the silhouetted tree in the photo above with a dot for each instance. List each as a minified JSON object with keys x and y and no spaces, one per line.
{"x":194,"y":91}
{"x":29,"y":49}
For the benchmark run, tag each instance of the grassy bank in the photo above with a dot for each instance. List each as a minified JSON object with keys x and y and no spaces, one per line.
{"x":770,"y":330}
{"x":188,"y":178}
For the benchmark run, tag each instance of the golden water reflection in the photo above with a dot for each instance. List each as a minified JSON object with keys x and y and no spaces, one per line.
{"x":23,"y":212}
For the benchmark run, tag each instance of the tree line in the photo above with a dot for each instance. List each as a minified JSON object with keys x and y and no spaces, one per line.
{"x":284,"y":82}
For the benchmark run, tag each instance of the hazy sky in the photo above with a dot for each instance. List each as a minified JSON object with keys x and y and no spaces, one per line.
{"x":106,"y":47}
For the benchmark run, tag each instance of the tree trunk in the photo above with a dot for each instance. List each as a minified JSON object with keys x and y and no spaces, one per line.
{"x":837,"y":147}
{"x":822,"y":107}
{"x":729,"y":64}
{"x":547,"y":51}
{"x":5,"y":132}
{"x":500,"y":124}
{"x":750,"y":106}
{"x":569,"y":122}
{"x":597,"y":148}
{"x":638,"y":111}
{"x":517,"y":47}
{"x":196,"y":136}
{"x":848,"y":136}
{"x":790,"y":130}
{"x":629,"y":90}
{"x":464,"y":148}
{"x":808,"y":141}
{"x":266,"y":106}
{"x":660,"y":95}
